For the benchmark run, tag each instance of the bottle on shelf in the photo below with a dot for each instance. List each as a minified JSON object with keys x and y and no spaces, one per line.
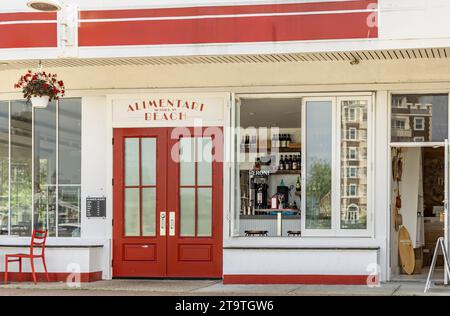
{"x":295,"y":163}
{"x":282,"y":141}
{"x":281,"y":163}
{"x":288,"y":140}
{"x":287,"y":163}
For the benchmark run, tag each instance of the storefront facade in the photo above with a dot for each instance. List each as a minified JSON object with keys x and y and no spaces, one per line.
{"x":179,"y":134}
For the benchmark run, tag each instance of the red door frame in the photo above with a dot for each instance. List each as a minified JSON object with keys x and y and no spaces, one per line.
{"x":162,"y":259}
{"x":203,"y":255}
{"x":138,"y":256}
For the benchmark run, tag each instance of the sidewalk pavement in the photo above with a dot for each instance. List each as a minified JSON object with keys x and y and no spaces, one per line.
{"x":213,"y":288}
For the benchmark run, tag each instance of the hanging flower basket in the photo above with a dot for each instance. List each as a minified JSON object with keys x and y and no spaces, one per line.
{"x":40,"y":88}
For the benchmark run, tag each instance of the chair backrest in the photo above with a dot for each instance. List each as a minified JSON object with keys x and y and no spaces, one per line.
{"x":38,"y":240}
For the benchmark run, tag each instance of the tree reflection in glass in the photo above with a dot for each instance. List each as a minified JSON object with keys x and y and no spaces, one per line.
{"x":21,"y":160}
{"x":318,"y":164}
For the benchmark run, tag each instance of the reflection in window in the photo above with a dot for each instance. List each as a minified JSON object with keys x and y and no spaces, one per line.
{"x":56,"y":205}
{"x":318,"y":164}
{"x":69,"y":167}
{"x":4,"y":167}
{"x":45,"y":172}
{"x":21,"y":160}
{"x":57,"y":182}
{"x":69,"y":144}
{"x":419,"y":116}
{"x":354,"y":170}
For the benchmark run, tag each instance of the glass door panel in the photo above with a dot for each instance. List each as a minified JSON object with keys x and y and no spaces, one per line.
{"x":196,"y":156}
{"x":140,"y":186}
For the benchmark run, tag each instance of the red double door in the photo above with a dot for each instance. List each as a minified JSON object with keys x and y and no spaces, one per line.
{"x":167,"y":203}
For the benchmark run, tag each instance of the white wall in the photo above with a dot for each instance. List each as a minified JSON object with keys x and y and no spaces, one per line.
{"x":94,"y":177}
{"x":301,"y":262}
{"x":95,"y":83}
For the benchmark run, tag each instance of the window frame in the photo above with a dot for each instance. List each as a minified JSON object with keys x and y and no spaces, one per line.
{"x":234,"y":140}
{"x":337,"y":137}
{"x":417,"y":119}
{"x":57,"y":185}
{"x":350,"y":130}
{"x":423,"y":92}
{"x":350,"y":174}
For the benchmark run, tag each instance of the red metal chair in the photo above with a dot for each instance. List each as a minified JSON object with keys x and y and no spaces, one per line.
{"x":37,"y":241}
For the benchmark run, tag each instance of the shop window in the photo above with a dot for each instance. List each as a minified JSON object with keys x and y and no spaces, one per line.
{"x":21,"y":168}
{"x":56,"y":141}
{"x":282,"y":189}
{"x":427,"y":115}
{"x":268,"y":162}
{"x":4,"y":167}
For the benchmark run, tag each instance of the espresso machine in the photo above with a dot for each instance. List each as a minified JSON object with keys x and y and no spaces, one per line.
{"x":258,"y":192}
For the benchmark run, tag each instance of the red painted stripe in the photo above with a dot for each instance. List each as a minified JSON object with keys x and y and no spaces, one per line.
{"x":238,"y":9}
{"x":27,"y":16}
{"x":295,"y":279}
{"x":28,"y":35}
{"x":227,"y":30}
{"x":54,"y":277}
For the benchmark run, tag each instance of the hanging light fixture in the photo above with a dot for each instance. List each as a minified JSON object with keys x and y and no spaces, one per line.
{"x":45,"y":5}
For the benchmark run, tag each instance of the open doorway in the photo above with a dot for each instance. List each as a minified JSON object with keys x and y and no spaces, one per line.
{"x":417,"y":211}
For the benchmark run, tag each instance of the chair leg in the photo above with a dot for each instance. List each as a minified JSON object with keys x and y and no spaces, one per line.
{"x":32,"y":269}
{"x":20,"y":265}
{"x":45,"y":269}
{"x":6,"y":269}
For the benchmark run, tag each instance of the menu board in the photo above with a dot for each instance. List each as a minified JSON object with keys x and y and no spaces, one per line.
{"x":96,"y":207}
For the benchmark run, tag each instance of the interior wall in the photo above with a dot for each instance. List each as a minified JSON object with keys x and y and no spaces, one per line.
{"x":410,"y":190}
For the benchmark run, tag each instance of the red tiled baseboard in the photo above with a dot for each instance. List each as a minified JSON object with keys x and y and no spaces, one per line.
{"x":295,"y":279}
{"x":54,"y":277}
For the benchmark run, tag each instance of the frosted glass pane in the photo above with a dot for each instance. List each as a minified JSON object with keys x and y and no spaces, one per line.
{"x":187,"y":161}
{"x":148,"y":161}
{"x":149,"y":212}
{"x":132,"y":161}
{"x":132,"y":226}
{"x":204,"y":220}
{"x":187,"y":212}
{"x":204,"y":158}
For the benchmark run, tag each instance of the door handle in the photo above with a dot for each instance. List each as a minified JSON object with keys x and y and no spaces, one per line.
{"x":162,"y":224}
{"x":172,"y":224}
